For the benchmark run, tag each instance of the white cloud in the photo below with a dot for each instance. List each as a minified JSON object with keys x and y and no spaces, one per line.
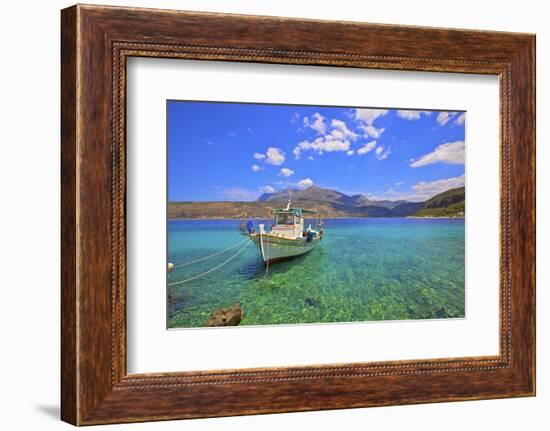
{"x":237,"y":194}
{"x":434,"y":187}
{"x":336,"y":139}
{"x":274,"y":156}
{"x":321,"y":144}
{"x":408,"y":115}
{"x":381,"y":154}
{"x":444,"y":117}
{"x":411,"y":115}
{"x":460,"y":119}
{"x":305,"y":183}
{"x":295,"y":117}
{"x":369,"y":115}
{"x":366,"y":148}
{"x":350,"y":152}
{"x":384,"y":155}
{"x":371,"y":131}
{"x":259,"y":156}
{"x":365,"y":119}
{"x":316,"y":122}
{"x":451,"y":152}
{"x":256,"y":168}
{"x":341,"y":130}
{"x":286,"y":172}
{"x":267,"y":189}
{"x":423,"y":190}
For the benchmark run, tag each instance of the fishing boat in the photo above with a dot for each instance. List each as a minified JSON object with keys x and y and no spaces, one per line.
{"x":287,"y":237}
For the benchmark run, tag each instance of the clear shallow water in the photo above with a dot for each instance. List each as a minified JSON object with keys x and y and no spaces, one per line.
{"x":364,"y":270}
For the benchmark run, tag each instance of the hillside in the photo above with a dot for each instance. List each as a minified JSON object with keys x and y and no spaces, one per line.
{"x":317,"y":194}
{"x":217,"y":210}
{"x":330,"y":203}
{"x":447,"y":204}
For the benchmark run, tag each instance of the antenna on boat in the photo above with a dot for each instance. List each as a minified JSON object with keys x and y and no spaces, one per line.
{"x":288,"y":205}
{"x":289,"y":199}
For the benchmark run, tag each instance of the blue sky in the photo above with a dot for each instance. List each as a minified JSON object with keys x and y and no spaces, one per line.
{"x":237,"y":151}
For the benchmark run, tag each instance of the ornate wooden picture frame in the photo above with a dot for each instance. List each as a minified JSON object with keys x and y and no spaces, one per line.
{"x":96,"y":41}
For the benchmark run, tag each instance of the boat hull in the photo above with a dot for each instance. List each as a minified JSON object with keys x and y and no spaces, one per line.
{"x":274,"y":249}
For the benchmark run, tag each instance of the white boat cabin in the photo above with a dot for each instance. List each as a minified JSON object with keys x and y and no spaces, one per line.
{"x":289,"y":223}
{"x":287,"y":236}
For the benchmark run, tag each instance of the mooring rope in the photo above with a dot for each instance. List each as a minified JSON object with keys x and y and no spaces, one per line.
{"x":213,"y":269}
{"x":180,"y":265}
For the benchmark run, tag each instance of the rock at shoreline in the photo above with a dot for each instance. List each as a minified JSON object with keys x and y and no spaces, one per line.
{"x":230,"y":316}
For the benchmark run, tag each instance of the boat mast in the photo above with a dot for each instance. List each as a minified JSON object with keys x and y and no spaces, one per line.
{"x":288,"y":205}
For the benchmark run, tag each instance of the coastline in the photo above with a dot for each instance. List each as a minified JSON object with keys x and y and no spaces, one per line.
{"x":325,"y":218}
{"x":430,"y":217}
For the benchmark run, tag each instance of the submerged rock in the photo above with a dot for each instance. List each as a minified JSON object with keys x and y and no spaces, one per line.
{"x":179,"y":297}
{"x":230,"y":316}
{"x":313,"y":302}
{"x":442,"y":313}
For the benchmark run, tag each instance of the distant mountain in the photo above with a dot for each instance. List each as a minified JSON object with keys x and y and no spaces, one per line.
{"x":312,"y":193}
{"x":330,"y":203}
{"x":407,"y":208}
{"x":447,"y":204}
{"x":390,"y":204}
{"x":361,"y":200}
{"x":319,"y":194}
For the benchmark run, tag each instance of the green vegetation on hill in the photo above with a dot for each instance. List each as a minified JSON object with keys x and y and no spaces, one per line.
{"x":406,"y":209}
{"x":455,"y":210}
{"x":447,"y":204}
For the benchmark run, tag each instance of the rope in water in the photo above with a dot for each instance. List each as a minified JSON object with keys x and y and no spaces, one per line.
{"x":213,"y":269}
{"x":180,"y":265}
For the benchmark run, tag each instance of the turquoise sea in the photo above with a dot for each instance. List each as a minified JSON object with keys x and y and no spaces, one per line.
{"x":364,"y":270}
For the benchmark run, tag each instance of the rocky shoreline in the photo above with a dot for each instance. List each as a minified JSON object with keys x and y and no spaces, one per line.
{"x":434,"y":217}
